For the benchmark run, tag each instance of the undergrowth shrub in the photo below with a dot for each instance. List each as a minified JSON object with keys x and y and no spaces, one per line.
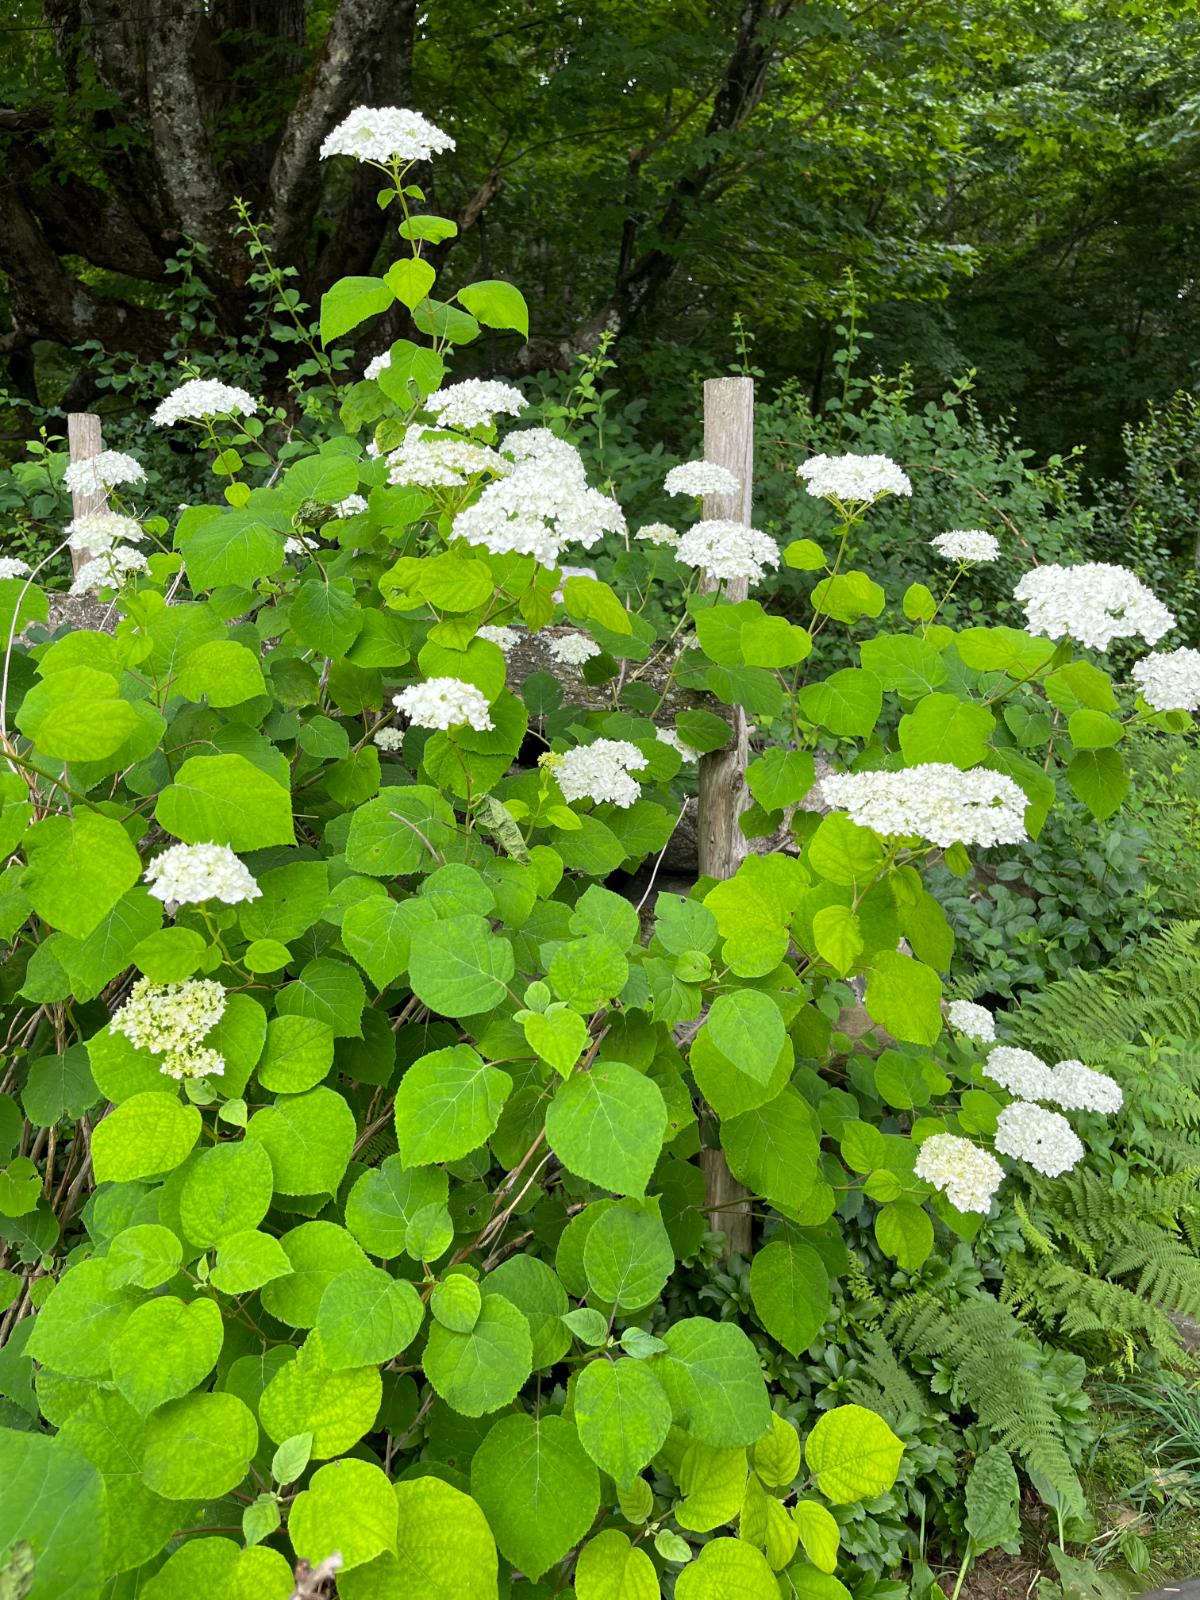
{"x":356,"y":1130}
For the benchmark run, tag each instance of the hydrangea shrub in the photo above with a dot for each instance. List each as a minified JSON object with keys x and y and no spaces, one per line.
{"x":351,"y":1123}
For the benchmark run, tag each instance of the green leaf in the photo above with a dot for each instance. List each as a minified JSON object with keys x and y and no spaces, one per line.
{"x":945,"y":728}
{"x":226,"y":800}
{"x":146,"y":1255}
{"x":1092,"y":730}
{"x":747,"y":1027}
{"x":329,"y":990}
{"x":780,"y":777}
{"x":772,"y":1149}
{"x":607,"y":1126}
{"x":59,"y":1086}
{"x":230,"y":547}
{"x":308,"y":1138}
{"x":227,"y":1190}
{"x":298,"y":1054}
{"x":349,"y":1506}
{"x":200,"y":1447}
{"x":444,"y":1550}
{"x":144,"y":1137}
{"x":713,"y":1482}
{"x":349,"y":302}
{"x":460,"y":967}
{"x":379,"y":933}
{"x":904,"y":1231}
{"x":482,"y":1370}
{"x":838,"y":936}
{"x":589,"y":600}
{"x":456,"y":1303}
{"x":993,"y":1498}
{"x":291,"y":1458}
{"x":727,"y":1568}
{"x":623,"y":1416}
{"x":324,"y":617}
{"x":790,"y":1290}
{"x":217,"y":1566}
{"x":319,"y":1252}
{"x":714,"y":1382}
{"x":105,"y":1429}
{"x":558,"y":1035}
{"x":842,"y":852}
{"x":448,"y":1104}
{"x":854,"y":1454}
{"x":609,"y":1567}
{"x":496,"y":304}
{"x":383,"y":1202}
{"x":537,"y":1293}
{"x":165,"y":1349}
{"x":1097,"y":777}
{"x":54,"y":1501}
{"x":537,"y":1487}
{"x":410,"y":280}
{"x":847,"y":703}
{"x":904,"y":662}
{"x":905,"y":997}
{"x":79,"y":867}
{"x":820,"y":1535}
{"x":627,"y":1256}
{"x":848,"y":596}
{"x":248,"y":1259}
{"x":76,"y":715}
{"x":223,"y":672}
{"x":777,"y":1454}
{"x":75,"y":1328}
{"x":306,"y":1395}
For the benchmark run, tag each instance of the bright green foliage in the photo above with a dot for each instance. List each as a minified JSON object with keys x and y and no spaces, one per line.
{"x":429,"y":1204}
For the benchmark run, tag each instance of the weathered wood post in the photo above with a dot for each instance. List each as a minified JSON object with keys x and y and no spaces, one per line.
{"x":84,"y":441}
{"x":728,"y":442}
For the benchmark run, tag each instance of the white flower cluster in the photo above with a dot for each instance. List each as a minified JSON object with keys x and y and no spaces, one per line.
{"x":203,"y":397}
{"x":504,"y":638}
{"x":542,"y":505}
{"x":853,"y":480}
{"x":975,"y":1021}
{"x":728,"y":550}
{"x":967,"y":544}
{"x":572,"y":649}
{"x":294,"y":545}
{"x":170,"y":1020}
{"x":1020,"y":1072}
{"x":1080,"y":1088}
{"x":188,"y":873}
{"x":389,"y":738}
{"x":384,"y":134}
{"x":444,"y":703}
{"x":350,"y":505}
{"x":934,"y":801}
{"x":108,"y":571}
{"x":701,"y":478}
{"x":1093,"y":603}
{"x":102,"y":471}
{"x":12,"y":567}
{"x":669,"y":736}
{"x":658,"y":533}
{"x":1170,"y":680}
{"x":1044,"y":1139}
{"x":474,"y":402}
{"x":375,"y":366}
{"x":600,"y":771}
{"x":436,"y":461}
{"x":97,"y":532}
{"x":965,"y":1174}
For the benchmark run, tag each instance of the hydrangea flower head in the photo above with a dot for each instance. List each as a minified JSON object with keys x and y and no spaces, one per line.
{"x":96,"y":532}
{"x":503,"y":638}
{"x":13,"y":567}
{"x":572,"y":649}
{"x":1080,"y":1088}
{"x":444,"y":703}
{"x":105,"y":470}
{"x":701,"y":478}
{"x":187,"y":874}
{"x":1169,"y":680}
{"x":170,"y":1020}
{"x":965,"y":1174}
{"x":670,"y":736}
{"x":852,"y":479}
{"x":108,"y":571}
{"x":377,"y":364}
{"x":967,"y":545}
{"x":389,"y":738}
{"x":1093,"y":603}
{"x":1044,"y":1139}
{"x":660,"y":533}
{"x":600,"y":771}
{"x":431,"y":461}
{"x":351,"y":505}
{"x":933,"y":801}
{"x":1020,"y":1072}
{"x":474,"y":402}
{"x":975,"y":1021}
{"x":386,"y":134}
{"x":199,"y":398}
{"x":727,"y":550}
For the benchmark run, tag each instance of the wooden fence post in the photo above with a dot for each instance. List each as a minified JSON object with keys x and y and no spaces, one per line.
{"x":84,"y":441}
{"x":728,"y":442}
